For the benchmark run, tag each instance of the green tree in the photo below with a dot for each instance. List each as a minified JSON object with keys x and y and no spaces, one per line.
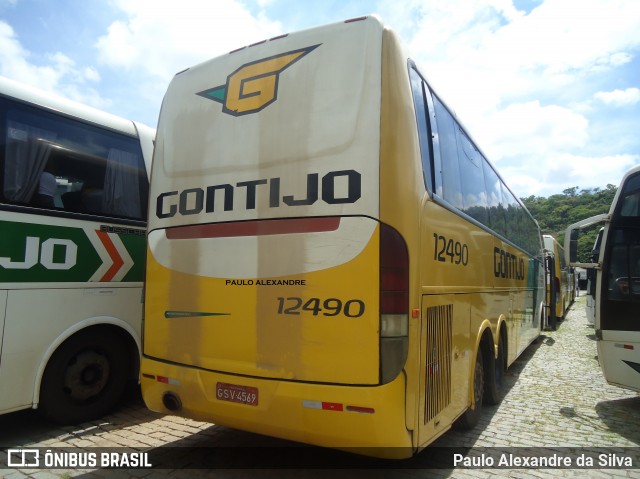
{"x":556,"y":212}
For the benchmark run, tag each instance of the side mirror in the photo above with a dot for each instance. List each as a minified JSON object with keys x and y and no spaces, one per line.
{"x":571,"y":241}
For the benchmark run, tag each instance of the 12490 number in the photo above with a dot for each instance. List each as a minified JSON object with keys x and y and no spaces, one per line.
{"x":353,"y":308}
{"x":446,"y":249}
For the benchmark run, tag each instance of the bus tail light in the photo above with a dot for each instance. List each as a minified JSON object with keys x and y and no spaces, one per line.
{"x":394,"y":303}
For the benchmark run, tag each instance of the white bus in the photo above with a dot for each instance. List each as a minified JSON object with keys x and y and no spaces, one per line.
{"x":616,"y":268}
{"x":73,"y":208}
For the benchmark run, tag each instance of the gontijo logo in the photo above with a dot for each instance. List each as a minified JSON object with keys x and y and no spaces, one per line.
{"x":254,"y":85}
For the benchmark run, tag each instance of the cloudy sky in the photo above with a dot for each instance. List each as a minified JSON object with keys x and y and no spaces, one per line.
{"x":550,"y":89}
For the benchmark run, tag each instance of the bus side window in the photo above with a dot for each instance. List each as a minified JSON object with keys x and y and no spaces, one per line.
{"x":468,"y":182}
{"x":472,"y":179}
{"x":446,"y":137}
{"x":493,"y":187}
{"x":511,"y":206}
{"x":624,"y":269}
{"x":27,"y":154}
{"x":419,"y":90}
{"x":630,"y":204}
{"x":56,"y":163}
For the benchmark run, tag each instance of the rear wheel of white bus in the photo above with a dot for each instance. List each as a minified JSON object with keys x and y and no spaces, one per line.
{"x":86,"y":377}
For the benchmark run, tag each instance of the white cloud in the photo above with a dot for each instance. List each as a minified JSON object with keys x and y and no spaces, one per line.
{"x":524,"y":83}
{"x":91,"y":74}
{"x":162,"y":37}
{"x":14,"y":60}
{"x":532,"y":130}
{"x":537,"y":150}
{"x":569,"y":170}
{"x":617,"y":97}
{"x":563,"y":35}
{"x":505,"y":53}
{"x":59,"y":75}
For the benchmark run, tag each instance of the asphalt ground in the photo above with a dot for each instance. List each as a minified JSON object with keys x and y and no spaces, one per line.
{"x":557,"y":408}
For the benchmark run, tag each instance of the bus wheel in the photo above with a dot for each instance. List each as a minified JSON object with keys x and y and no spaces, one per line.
{"x":85,"y":378}
{"x":494,"y":376}
{"x":471,"y":416}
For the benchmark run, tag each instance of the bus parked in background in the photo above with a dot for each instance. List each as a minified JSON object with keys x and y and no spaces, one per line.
{"x":73,"y":206}
{"x":332,"y":259}
{"x":591,"y":279}
{"x":560,"y":281}
{"x":615,"y":268}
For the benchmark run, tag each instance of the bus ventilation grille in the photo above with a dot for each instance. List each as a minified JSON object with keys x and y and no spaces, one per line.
{"x":438,"y":371}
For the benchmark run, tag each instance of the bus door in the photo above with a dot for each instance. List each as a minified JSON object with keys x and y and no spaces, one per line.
{"x":445,"y":357}
{"x":591,"y":279}
{"x":552,"y":291}
{"x":618,"y":326}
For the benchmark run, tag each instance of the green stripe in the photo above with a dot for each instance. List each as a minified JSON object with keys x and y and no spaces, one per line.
{"x":13,"y":250}
{"x":190,"y":314}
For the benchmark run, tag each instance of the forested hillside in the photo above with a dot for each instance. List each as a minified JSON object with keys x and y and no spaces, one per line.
{"x":557,"y":212}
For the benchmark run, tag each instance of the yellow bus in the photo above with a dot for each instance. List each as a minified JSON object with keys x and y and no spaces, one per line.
{"x":559,"y":282}
{"x":331,"y":259}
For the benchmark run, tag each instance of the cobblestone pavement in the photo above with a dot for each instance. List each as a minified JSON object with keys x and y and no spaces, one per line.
{"x":556,"y":399}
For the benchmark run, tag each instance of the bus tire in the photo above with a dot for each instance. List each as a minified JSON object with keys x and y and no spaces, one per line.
{"x":471,"y":416}
{"x":494,"y":376}
{"x":85,"y":378}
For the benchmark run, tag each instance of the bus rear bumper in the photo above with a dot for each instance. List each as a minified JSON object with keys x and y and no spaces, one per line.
{"x":359,"y":419}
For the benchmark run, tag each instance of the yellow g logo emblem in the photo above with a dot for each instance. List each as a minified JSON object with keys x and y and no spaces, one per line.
{"x":254,"y":85}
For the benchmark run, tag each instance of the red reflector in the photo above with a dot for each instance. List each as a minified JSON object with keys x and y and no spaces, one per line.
{"x":255,"y":228}
{"x":367,"y":410}
{"x":162,"y":379}
{"x":394,"y":302}
{"x":393,"y":279}
{"x":332,"y":406}
{"x":628,"y":346}
{"x":394,"y":272}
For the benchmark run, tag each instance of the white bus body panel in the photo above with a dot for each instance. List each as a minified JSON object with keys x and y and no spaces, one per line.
{"x":618,"y":352}
{"x":25,"y":356}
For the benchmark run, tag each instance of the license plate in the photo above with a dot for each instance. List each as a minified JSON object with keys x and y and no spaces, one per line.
{"x":234,"y":393}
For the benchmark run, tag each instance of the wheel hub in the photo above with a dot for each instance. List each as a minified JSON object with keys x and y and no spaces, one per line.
{"x":86,"y":375}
